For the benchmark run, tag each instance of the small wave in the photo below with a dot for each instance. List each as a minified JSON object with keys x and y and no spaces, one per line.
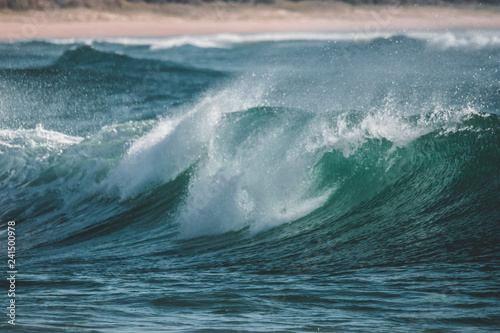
{"x":90,"y":58}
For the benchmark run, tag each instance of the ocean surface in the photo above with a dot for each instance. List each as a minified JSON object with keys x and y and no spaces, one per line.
{"x":331,"y":182}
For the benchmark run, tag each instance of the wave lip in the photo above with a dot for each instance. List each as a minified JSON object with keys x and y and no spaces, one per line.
{"x":176,"y":143}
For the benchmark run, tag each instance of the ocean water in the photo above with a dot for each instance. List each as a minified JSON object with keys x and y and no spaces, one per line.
{"x":330,"y":182}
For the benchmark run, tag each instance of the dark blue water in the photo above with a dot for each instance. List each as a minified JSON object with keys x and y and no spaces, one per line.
{"x":253,"y":183}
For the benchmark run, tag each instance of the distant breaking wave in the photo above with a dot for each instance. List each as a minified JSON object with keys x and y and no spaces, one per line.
{"x":442,"y":40}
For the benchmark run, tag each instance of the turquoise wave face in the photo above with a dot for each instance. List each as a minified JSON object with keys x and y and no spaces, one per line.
{"x":318,"y":162}
{"x":260,"y":168}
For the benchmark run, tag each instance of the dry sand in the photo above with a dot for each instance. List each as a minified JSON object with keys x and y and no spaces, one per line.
{"x":170,"y":20}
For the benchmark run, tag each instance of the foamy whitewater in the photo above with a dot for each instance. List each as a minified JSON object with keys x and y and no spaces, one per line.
{"x":291,"y":182}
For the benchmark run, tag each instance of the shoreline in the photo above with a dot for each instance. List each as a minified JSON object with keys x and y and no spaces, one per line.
{"x":216,"y":18}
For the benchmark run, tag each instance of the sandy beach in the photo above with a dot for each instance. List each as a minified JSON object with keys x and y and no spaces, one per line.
{"x":136,"y":20}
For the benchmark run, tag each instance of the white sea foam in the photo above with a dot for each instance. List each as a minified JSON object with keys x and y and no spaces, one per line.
{"x":37,"y":138}
{"x":176,"y":143}
{"x":474,"y":40}
{"x":228,"y":40}
{"x":25,"y":151}
{"x":222,"y":40}
{"x":437,"y":39}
